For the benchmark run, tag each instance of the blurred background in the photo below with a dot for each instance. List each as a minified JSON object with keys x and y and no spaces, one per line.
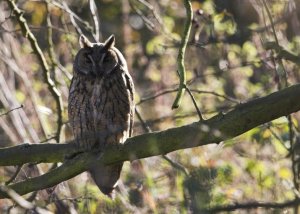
{"x":238,"y":50}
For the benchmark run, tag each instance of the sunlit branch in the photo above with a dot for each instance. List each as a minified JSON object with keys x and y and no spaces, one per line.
{"x":94,"y":12}
{"x":242,"y":118}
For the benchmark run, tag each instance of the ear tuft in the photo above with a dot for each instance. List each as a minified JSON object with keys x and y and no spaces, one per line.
{"x":110,"y":42}
{"x":84,"y":42}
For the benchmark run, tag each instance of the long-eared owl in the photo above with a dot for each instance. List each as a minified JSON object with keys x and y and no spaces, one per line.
{"x":101,"y":105}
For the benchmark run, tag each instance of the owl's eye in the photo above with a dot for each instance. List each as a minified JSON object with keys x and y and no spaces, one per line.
{"x":106,"y":58}
{"x":87,"y":59}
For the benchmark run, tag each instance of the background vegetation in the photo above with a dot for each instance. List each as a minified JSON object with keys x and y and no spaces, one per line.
{"x":238,"y":50}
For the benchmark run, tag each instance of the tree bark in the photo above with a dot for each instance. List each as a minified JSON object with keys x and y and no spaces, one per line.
{"x":221,"y":127}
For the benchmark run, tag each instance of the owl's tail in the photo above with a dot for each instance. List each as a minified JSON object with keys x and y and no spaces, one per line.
{"x":106,"y":177}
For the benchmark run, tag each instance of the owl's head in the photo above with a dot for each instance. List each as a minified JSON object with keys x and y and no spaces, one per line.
{"x":96,"y":59}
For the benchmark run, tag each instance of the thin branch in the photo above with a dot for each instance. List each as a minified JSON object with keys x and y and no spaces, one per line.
{"x":72,"y":15}
{"x":195,"y":104}
{"x":94,"y":12}
{"x":67,"y":35}
{"x":53,"y":65}
{"x":34,"y":28}
{"x":271,"y":20}
{"x":142,"y":100}
{"x":28,"y":87}
{"x":176,"y":165}
{"x":214,"y":130}
{"x":279,"y":138}
{"x":150,"y":25}
{"x":295,"y":165}
{"x":282,"y":73}
{"x":181,"y":53}
{"x":6,"y":113}
{"x":280,"y":70}
{"x":217,"y":95}
{"x":21,"y":201}
{"x":54,"y":137}
{"x":34,"y":45}
{"x":253,"y":205}
{"x":14,"y":175}
{"x":143,"y":123}
{"x":147,"y":129}
{"x":167,"y":91}
{"x":282,"y":53}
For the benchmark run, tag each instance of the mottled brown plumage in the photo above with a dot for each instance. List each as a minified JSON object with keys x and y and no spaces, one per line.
{"x":101,"y":104}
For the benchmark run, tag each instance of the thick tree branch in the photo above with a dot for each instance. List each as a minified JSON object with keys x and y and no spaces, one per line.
{"x":219,"y":128}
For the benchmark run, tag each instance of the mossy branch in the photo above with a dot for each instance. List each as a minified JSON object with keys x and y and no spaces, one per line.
{"x":181,"y":53}
{"x":219,"y":128}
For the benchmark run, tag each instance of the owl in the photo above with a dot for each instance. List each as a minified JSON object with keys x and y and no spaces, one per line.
{"x":101,"y":105}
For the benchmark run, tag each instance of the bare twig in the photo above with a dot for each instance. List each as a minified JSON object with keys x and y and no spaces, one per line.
{"x":176,"y":165}
{"x":282,"y":75}
{"x":167,"y":91}
{"x":22,"y":202}
{"x":67,"y":35}
{"x":48,"y":139}
{"x":158,"y":25}
{"x":148,"y":23}
{"x":253,"y":205}
{"x":295,"y":165}
{"x":217,"y":95}
{"x":66,"y":8}
{"x":72,"y":19}
{"x":28,"y":86}
{"x":154,"y":12}
{"x":195,"y":104}
{"x":94,"y":12}
{"x":46,"y":72}
{"x":144,"y":125}
{"x":281,"y":72}
{"x":6,"y":113}
{"x":35,"y":28}
{"x":147,"y":129}
{"x":14,"y":175}
{"x":53,"y":64}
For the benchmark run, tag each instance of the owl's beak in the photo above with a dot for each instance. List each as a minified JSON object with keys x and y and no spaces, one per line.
{"x":102,"y":59}
{"x":94,"y":69}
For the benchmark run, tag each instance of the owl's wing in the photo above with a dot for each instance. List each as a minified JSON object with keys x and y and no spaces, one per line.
{"x":130,"y":88}
{"x":79,"y":111}
{"x":117,"y":109}
{"x":113,"y":107}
